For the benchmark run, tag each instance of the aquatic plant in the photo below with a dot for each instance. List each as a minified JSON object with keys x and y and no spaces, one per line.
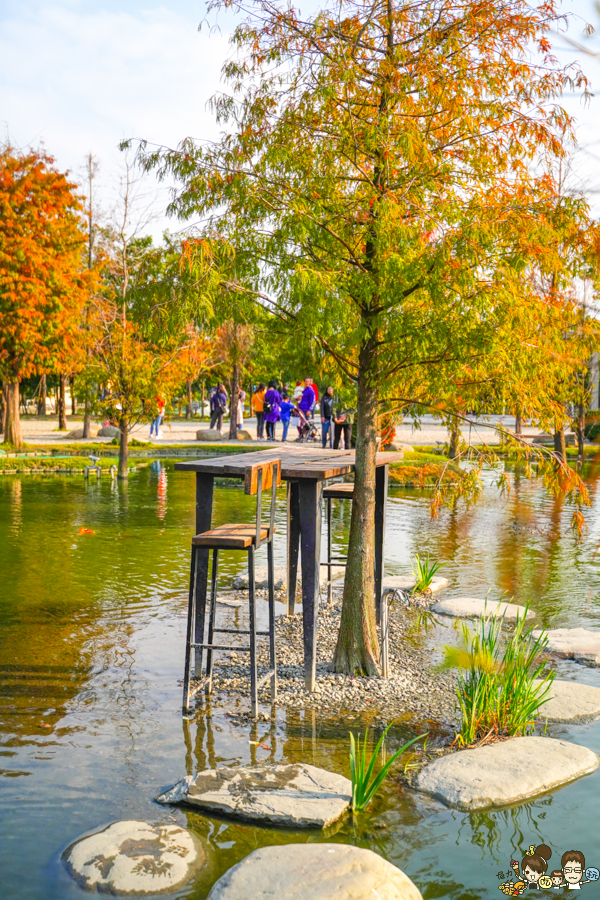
{"x":495,"y":688}
{"x":365,"y":783}
{"x":424,"y":572}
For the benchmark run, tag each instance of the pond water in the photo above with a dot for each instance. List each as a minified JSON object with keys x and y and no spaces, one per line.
{"x":91,"y":653}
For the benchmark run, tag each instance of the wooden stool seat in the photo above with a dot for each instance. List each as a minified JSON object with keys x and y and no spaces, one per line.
{"x":343,"y":490}
{"x":234,"y":537}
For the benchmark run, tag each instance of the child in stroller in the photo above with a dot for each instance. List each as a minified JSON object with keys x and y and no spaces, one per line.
{"x":307,"y":431}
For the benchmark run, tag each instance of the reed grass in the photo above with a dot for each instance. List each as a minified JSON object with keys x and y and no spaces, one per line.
{"x":424,"y":572}
{"x":365,"y":783}
{"x":495,"y":689}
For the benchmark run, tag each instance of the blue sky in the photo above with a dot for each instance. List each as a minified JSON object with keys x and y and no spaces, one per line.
{"x":81,"y":75}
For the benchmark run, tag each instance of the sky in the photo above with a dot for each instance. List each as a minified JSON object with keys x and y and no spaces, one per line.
{"x":80,"y":76}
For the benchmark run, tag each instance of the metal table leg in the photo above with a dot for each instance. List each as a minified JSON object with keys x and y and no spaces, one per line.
{"x":293,"y":542}
{"x":309,"y":497}
{"x":381,"y":489}
{"x":204,"y":502}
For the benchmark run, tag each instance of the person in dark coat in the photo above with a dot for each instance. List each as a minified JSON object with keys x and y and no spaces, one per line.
{"x":326,"y":415}
{"x":218,"y":405}
{"x":272,"y":404}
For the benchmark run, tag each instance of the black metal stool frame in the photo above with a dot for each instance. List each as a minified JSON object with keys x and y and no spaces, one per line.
{"x":257,"y":540}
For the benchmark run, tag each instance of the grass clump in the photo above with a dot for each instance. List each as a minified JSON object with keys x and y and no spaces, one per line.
{"x":495,"y":688}
{"x":424,"y":571}
{"x":365,"y":783}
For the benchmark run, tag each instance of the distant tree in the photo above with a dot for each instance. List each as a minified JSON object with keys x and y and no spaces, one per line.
{"x":42,"y":286}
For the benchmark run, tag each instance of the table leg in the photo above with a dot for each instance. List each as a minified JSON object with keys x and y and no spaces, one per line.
{"x":204,"y":502}
{"x":309,"y":498}
{"x":293,"y":542}
{"x":381,"y":489}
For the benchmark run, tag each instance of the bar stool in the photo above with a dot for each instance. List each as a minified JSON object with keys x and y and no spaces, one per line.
{"x":235,"y":537}
{"x":345,"y":491}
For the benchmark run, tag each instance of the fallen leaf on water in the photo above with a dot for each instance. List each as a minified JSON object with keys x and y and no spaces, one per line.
{"x":83,"y":530}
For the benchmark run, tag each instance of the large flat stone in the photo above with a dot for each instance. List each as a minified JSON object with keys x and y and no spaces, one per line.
{"x":407,"y":583}
{"x":109,"y":431}
{"x":505,"y":773}
{"x":299,"y":796}
{"x":314,"y":872}
{"x":240,"y":582}
{"x":575,"y":643}
{"x":475,"y":607}
{"x":571,"y":702}
{"x":133,"y":857}
{"x":208,"y":434}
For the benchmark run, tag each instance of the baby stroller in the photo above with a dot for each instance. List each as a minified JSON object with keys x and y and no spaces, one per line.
{"x":307,"y":429}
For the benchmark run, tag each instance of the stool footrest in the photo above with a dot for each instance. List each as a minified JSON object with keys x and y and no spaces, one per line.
{"x":341,"y":562}
{"x":219,"y":647}
{"x":237,"y":631}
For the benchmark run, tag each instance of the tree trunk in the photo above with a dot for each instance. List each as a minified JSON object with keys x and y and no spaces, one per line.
{"x":12,"y":424}
{"x":580,"y":429}
{"x":2,"y":406}
{"x":188,"y":409}
{"x":233,"y":401}
{"x":123,"y":471}
{"x":454,"y":436}
{"x":42,"y":396}
{"x":62,"y":406}
{"x":560,"y":447}
{"x":73,"y":402}
{"x":357,"y":650}
{"x":518,"y":422}
{"x":87,"y":419}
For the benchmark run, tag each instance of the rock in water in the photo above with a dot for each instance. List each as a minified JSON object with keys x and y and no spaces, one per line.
{"x":571,"y":702}
{"x":579,"y":644}
{"x":473,"y":607}
{"x":407,"y":583}
{"x":299,"y":796}
{"x":314,"y":872}
{"x":132,"y":857}
{"x":505,"y":773}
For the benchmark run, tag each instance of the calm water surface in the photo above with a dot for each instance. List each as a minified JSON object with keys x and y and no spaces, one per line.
{"x":91,"y":650}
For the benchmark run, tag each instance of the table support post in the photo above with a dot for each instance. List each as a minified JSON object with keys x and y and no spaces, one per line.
{"x":204,"y":502}
{"x":309,"y":499}
{"x":381,"y":490}
{"x":293,"y":543}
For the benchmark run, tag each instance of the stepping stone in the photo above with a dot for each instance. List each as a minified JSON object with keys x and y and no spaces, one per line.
{"x":473,"y":607}
{"x":505,"y":773}
{"x":134,"y":857}
{"x":240,"y":582}
{"x":229,"y":601}
{"x":314,"y":872}
{"x":571,"y":702}
{"x":295,"y":796}
{"x":574,"y":643}
{"x":407,"y":583}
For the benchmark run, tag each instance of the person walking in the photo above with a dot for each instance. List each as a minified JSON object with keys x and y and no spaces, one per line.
{"x":326,"y":415}
{"x":306,"y":403}
{"x":285,"y":411}
{"x":316,"y":393}
{"x":271,"y":406}
{"x":343,"y":420}
{"x":218,"y":405}
{"x":257,"y":407}
{"x":158,"y":418}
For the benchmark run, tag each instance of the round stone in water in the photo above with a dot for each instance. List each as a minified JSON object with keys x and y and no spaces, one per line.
{"x":134,"y":858}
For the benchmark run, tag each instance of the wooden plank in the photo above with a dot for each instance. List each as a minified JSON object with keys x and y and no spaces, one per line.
{"x":267,"y":469}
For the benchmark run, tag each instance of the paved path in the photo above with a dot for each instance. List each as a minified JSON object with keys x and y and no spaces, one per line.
{"x":182,"y":431}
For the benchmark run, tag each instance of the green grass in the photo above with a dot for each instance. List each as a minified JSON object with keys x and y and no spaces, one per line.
{"x":424,"y":571}
{"x":52,"y":463}
{"x":365,"y":783}
{"x":495,"y":688}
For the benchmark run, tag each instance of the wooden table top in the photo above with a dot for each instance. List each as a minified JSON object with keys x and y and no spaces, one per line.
{"x":297,"y":463}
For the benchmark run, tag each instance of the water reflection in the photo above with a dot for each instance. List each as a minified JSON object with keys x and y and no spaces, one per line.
{"x":91,"y":649}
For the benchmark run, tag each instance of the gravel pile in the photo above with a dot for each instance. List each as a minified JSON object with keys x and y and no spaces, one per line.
{"x":412,"y":688}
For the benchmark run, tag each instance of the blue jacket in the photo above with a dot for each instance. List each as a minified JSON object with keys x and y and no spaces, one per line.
{"x":285,"y":410}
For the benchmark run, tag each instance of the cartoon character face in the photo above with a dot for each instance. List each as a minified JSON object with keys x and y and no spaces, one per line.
{"x":556,"y":880}
{"x":530,"y":875}
{"x":573,"y":871}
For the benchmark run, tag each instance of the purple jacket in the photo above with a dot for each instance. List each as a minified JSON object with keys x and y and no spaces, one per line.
{"x":274,"y":398}
{"x":307,"y":400}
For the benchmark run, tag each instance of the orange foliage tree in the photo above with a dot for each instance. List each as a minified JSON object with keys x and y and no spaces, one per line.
{"x":42,"y":287}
